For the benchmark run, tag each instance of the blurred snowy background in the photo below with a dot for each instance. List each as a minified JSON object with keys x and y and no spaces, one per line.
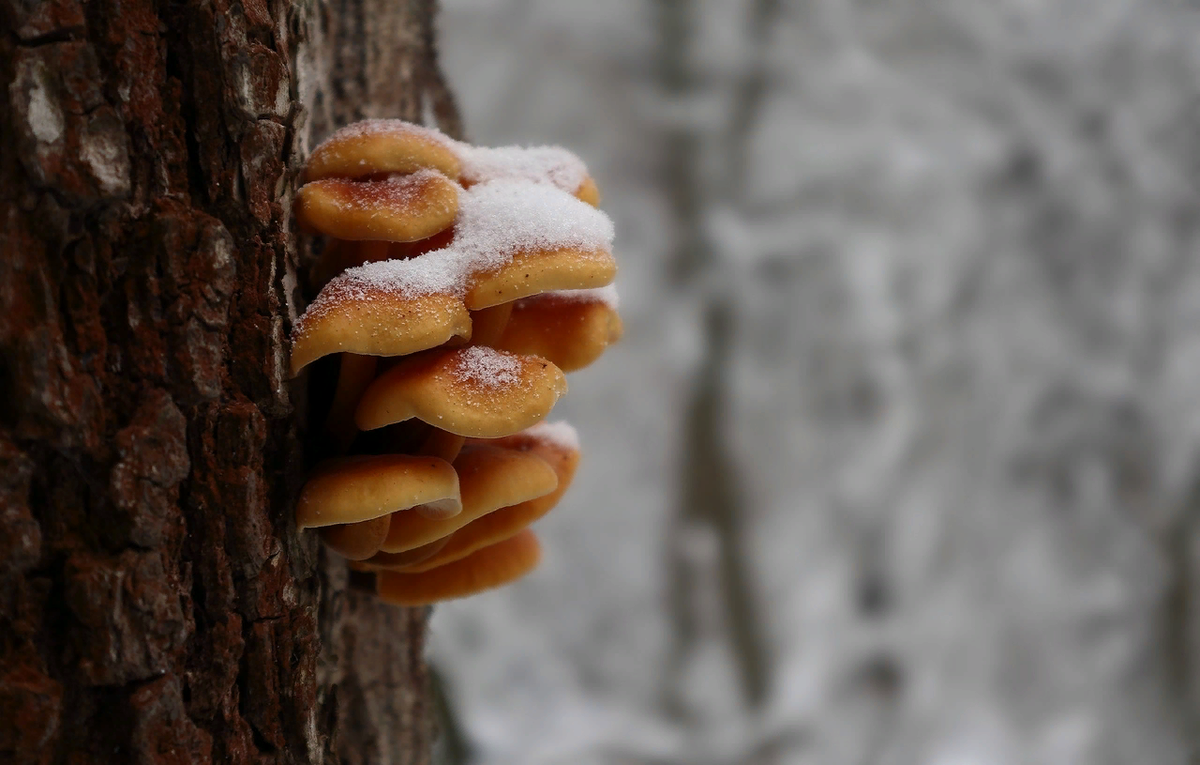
{"x":899,"y":461}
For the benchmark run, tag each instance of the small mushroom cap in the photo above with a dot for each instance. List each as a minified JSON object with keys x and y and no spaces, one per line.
{"x":356,"y":313}
{"x":588,"y":192}
{"x":356,"y":541}
{"x":489,"y":478}
{"x":533,"y":271}
{"x":557,"y":446}
{"x":484,"y":569}
{"x":401,"y":560}
{"x":353,"y":489}
{"x":475,"y":392}
{"x":400,"y":208}
{"x":382,"y":146}
{"x":568,"y":330}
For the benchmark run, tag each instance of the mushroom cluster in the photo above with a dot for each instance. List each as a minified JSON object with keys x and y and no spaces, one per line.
{"x":457,"y":285}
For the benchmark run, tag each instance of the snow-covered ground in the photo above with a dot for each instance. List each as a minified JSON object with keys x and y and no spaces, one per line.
{"x":896,"y":459}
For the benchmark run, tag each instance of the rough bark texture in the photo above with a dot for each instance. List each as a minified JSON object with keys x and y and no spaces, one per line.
{"x":156,"y":602}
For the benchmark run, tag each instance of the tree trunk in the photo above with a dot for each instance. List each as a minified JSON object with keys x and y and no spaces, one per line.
{"x":156,"y":601}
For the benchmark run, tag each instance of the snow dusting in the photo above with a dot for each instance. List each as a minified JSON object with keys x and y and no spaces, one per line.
{"x":606,"y":295}
{"x":560,"y":434}
{"x":379,"y":127}
{"x":487,"y":367}
{"x":539,"y":164}
{"x":500,"y":218}
{"x":496,"y":220}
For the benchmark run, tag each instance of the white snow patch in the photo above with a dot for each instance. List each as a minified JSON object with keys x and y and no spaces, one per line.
{"x":487,"y":367}
{"x":539,"y":164}
{"x":45,"y":119}
{"x":560,"y":433}
{"x":607,"y":295}
{"x":104,"y":152}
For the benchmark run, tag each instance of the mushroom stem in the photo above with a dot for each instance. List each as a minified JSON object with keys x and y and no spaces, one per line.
{"x":441,"y":443}
{"x":354,"y":375}
{"x":487,"y":324}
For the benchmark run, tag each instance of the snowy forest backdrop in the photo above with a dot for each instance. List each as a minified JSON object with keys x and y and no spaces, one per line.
{"x":899,"y":461}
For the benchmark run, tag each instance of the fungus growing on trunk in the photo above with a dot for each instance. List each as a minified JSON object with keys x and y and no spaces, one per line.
{"x":455,"y":282}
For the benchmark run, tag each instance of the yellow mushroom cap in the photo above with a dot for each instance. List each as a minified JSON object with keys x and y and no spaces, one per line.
{"x":569,"y":329}
{"x":554,"y":443}
{"x":390,"y":308}
{"x":476,"y":392}
{"x":399,"y":208}
{"x":489,"y":478}
{"x":484,"y":569}
{"x":588,"y":192}
{"x":517,"y":238}
{"x":353,"y":489}
{"x":382,"y":146}
{"x":356,"y":541}
{"x":534,"y":271}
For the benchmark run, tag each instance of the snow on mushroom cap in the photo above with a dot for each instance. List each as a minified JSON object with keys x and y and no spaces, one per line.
{"x":501,"y":218}
{"x":372,"y":127}
{"x":487,"y":368}
{"x":606,"y":295}
{"x":407,"y":279}
{"x":552,"y":164}
{"x":495,"y":221}
{"x":560,"y":433}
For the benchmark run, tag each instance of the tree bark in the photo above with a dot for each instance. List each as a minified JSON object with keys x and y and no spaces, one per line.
{"x":156,"y":601}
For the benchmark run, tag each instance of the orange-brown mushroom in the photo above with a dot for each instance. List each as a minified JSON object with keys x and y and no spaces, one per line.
{"x":567,"y":328}
{"x":557,"y":445}
{"x":533,"y":271}
{"x":371,"y":147}
{"x":488,"y":325}
{"x":401,"y":560}
{"x":489,"y":478}
{"x":518,"y":238}
{"x":476,"y":392}
{"x":484,"y":569}
{"x":360,"y":488}
{"x":356,"y":541}
{"x":399,"y":208}
{"x":393,"y":308}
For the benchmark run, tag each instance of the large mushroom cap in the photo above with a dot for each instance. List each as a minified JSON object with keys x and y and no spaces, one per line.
{"x":370,"y":147}
{"x":570,"y":329}
{"x":517,"y":238}
{"x":484,"y":569}
{"x":353,"y":489}
{"x":489,"y":478}
{"x":399,"y":208}
{"x":475,"y":392}
{"x":390,"y":308}
{"x":556,"y":444}
{"x":533,"y":271}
